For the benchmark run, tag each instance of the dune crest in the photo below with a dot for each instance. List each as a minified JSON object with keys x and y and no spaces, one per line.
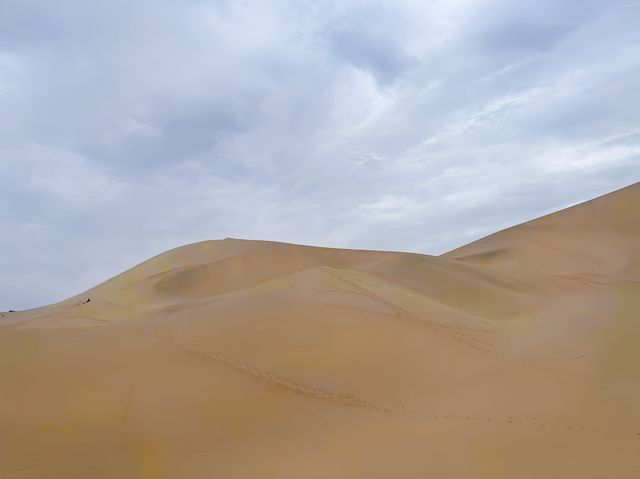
{"x":514,"y":356}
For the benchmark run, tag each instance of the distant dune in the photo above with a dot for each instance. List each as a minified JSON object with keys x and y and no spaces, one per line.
{"x":516,"y":356}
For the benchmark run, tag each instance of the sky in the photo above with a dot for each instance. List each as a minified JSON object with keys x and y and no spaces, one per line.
{"x":131,"y":127}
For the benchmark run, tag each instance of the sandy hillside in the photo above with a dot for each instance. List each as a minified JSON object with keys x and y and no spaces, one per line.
{"x":517,"y":356}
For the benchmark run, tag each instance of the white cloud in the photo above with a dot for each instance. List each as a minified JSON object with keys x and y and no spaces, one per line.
{"x":61,"y":174}
{"x":127,"y":128}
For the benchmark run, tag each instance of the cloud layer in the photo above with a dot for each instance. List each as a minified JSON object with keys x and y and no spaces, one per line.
{"x":127,"y":128}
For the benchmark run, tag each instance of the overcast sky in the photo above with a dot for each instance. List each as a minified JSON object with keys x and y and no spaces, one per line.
{"x":130,"y":127}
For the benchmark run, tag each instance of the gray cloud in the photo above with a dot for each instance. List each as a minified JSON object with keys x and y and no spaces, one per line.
{"x":129,"y":128}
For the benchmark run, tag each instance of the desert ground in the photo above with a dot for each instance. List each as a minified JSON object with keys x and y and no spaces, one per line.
{"x":516,"y":356}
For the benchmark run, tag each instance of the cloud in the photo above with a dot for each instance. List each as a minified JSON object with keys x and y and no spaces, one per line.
{"x":129,"y":128}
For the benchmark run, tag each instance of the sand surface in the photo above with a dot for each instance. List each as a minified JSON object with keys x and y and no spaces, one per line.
{"x":517,"y":356}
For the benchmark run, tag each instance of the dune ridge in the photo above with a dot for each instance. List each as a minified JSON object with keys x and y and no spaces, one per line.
{"x":514,"y":356}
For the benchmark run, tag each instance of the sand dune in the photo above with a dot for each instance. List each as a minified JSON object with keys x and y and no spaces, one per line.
{"x":516,"y":356}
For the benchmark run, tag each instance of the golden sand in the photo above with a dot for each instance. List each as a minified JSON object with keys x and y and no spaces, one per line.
{"x":517,"y":356}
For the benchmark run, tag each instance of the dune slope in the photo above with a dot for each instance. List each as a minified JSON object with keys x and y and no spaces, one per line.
{"x":515,"y":356}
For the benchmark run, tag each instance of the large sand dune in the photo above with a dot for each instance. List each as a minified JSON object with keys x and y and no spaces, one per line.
{"x":517,"y":356}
